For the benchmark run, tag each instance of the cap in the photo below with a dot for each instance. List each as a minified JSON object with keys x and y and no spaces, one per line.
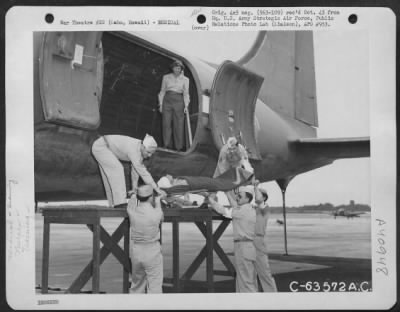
{"x":145,"y":190}
{"x":232,"y":141}
{"x":149,"y":143}
{"x":247,"y":189}
{"x":177,"y":63}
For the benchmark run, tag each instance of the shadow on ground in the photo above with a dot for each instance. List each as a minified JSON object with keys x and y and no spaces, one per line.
{"x":338,"y":274}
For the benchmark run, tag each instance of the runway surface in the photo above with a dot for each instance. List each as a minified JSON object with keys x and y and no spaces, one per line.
{"x":321,"y":250}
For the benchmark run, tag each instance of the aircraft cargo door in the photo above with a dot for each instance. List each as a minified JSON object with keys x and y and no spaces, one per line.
{"x":232,"y":105}
{"x":71,"y":78}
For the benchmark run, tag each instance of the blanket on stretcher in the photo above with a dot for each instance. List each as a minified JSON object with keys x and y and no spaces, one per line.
{"x":229,"y":180}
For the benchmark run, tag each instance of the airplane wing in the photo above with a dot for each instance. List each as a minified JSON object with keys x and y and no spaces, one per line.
{"x":332,"y":149}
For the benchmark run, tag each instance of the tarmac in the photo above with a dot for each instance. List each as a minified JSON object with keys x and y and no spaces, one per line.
{"x":324,"y":254}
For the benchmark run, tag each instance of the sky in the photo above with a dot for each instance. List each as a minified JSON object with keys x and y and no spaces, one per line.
{"x":341,"y":67}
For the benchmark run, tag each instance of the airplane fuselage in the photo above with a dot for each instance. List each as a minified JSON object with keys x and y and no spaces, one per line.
{"x":66,"y":170}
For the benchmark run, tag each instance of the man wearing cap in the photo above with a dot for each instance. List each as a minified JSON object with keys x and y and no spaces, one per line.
{"x":145,"y":217}
{"x":262,"y":263}
{"x":108,"y":150}
{"x":174,"y":101}
{"x":243,"y":222}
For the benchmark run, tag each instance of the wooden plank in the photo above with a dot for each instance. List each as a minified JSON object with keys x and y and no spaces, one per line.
{"x":224,"y":258}
{"x":96,"y":259}
{"x":218,"y":249}
{"x":193,"y":218}
{"x":175,"y":255}
{"x":49,"y":209}
{"x":210,"y":252}
{"x":182,"y":212}
{"x":115,"y":249}
{"x":113,"y":213}
{"x":203,"y":253}
{"x":88,"y":212}
{"x":125,"y":271}
{"x":197,"y":261}
{"x":86,"y":273}
{"x":84,"y":212}
{"x":46,"y":256}
{"x":58,"y":220}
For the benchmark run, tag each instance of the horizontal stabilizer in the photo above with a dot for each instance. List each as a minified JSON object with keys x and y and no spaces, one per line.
{"x":333,"y":148}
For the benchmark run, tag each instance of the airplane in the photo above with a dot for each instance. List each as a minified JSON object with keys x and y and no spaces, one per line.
{"x":343,"y":213}
{"x":88,"y":84}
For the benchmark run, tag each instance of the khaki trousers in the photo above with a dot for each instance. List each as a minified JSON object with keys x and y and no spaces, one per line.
{"x":112,"y":172}
{"x":173,"y":120}
{"x":245,"y":259}
{"x":147,"y":268}
{"x":262,"y":266}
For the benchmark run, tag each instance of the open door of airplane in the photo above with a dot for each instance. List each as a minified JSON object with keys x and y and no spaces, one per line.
{"x":232,"y":106}
{"x":71,"y":78}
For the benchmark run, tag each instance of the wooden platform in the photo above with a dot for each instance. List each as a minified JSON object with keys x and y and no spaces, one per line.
{"x":92,"y":216}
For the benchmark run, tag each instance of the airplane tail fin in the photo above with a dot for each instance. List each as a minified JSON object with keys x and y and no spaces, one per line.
{"x":331,"y":149}
{"x":286,"y":61}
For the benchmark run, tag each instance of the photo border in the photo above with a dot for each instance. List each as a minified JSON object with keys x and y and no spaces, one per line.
{"x":377,"y":196}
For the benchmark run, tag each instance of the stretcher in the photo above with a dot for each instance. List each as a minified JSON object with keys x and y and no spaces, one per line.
{"x":228,"y":181}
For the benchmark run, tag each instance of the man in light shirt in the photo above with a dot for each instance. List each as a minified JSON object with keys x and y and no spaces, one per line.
{"x":243,"y":221}
{"x":262,"y":262}
{"x":174,"y":102}
{"x":145,"y":217}
{"x":108,"y":150}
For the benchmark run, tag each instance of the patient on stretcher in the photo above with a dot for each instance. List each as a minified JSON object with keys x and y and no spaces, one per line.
{"x":232,"y":155}
{"x":175,"y":201}
{"x":184,"y":185}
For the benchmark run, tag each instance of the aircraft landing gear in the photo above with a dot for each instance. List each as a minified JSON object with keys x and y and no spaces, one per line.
{"x":283,"y":183}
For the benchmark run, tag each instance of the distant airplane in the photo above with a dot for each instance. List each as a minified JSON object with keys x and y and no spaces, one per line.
{"x":90,"y":83}
{"x":341,"y":212}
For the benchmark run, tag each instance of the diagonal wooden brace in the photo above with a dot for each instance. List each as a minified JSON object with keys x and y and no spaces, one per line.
{"x":203,"y":253}
{"x":110,"y":246}
{"x":217,"y":247}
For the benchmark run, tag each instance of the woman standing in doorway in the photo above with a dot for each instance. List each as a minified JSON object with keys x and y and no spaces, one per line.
{"x":174,"y":101}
